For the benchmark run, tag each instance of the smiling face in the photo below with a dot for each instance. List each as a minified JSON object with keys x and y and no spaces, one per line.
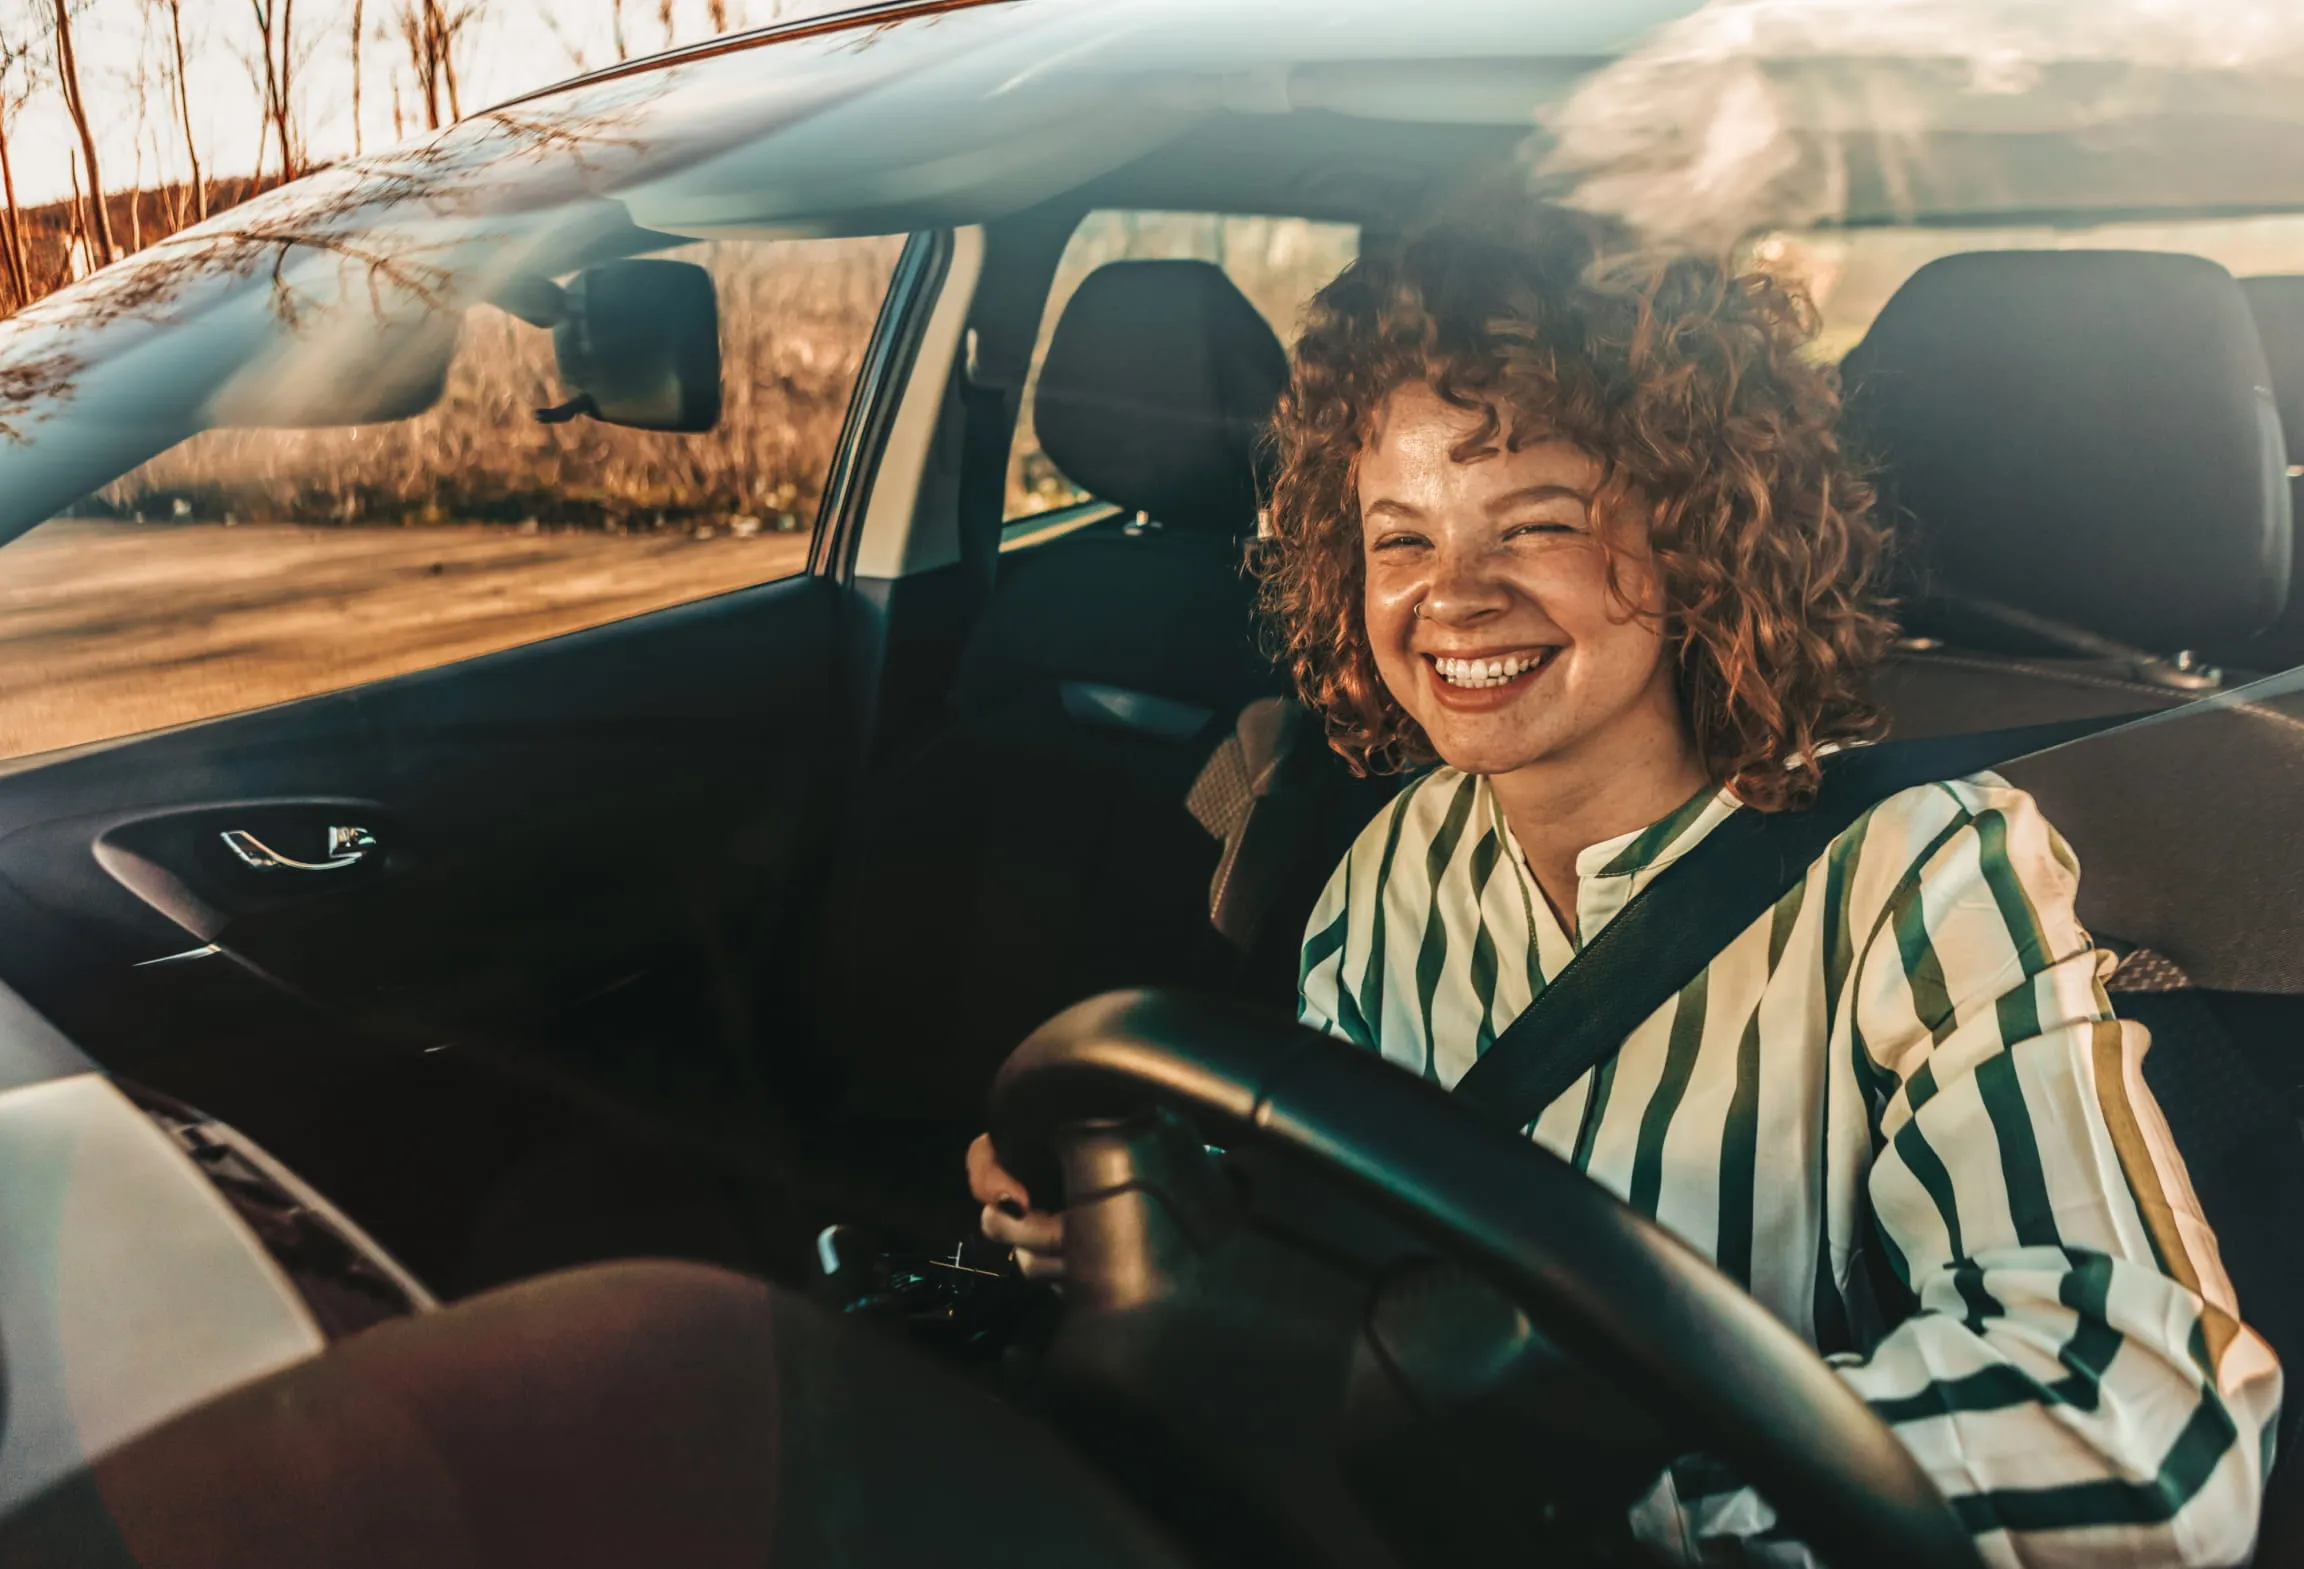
{"x":1488,"y":604}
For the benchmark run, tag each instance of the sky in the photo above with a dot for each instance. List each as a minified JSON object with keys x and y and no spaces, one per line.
{"x":513,"y":45}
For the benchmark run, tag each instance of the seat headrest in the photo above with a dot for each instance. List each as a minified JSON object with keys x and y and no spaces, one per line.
{"x":2086,"y":435}
{"x":1157,"y":388}
{"x":2278,"y":306}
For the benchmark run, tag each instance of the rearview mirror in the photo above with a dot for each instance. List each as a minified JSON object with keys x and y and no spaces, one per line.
{"x":639,"y":344}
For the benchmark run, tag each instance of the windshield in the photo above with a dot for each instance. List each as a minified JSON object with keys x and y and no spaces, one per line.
{"x":385,"y":346}
{"x":1720,"y":124}
{"x":668,"y":550}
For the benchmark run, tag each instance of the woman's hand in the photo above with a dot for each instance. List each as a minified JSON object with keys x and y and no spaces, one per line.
{"x":1009,"y":1217}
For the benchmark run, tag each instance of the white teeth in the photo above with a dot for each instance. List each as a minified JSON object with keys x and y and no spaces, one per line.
{"x":1488,"y":672}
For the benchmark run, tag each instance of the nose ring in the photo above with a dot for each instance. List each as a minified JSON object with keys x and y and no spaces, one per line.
{"x":1416,"y":611}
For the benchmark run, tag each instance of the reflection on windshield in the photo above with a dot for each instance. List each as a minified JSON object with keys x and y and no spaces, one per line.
{"x":318,"y":290}
{"x":1755,"y":114}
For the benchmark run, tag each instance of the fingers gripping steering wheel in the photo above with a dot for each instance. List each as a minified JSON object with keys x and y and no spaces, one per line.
{"x":1610,"y":1287}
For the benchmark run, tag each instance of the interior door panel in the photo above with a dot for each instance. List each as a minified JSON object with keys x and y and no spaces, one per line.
{"x":544,"y":822}
{"x":557,"y":831}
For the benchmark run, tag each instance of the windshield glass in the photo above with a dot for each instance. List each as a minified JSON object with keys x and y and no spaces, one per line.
{"x":656,"y":481}
{"x":1715,"y":125}
{"x":386,"y":345}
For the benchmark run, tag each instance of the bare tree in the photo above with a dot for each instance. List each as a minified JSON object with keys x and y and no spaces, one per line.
{"x":452,"y":25}
{"x":79,"y":247}
{"x":259,"y":69}
{"x":616,"y":29}
{"x":274,"y":73}
{"x":717,"y":11}
{"x":99,"y":222}
{"x":255,"y":70}
{"x":15,"y":89}
{"x":143,"y":82}
{"x":180,"y":80}
{"x":136,"y":196}
{"x":283,"y":107}
{"x":423,"y":56}
{"x":357,"y":146}
{"x":432,"y":29}
{"x":175,"y":195}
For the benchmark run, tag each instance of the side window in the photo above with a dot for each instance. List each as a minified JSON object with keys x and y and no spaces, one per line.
{"x":1279,"y":263}
{"x":249,"y":567}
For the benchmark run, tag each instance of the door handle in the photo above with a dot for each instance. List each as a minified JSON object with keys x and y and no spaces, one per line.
{"x":346,"y":847}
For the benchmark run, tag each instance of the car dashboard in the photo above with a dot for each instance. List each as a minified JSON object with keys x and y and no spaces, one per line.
{"x":154,"y":1260}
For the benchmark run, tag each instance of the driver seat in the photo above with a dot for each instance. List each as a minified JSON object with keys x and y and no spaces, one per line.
{"x":1037,"y":848}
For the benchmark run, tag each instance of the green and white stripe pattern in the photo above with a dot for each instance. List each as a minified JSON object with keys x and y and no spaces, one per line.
{"x":1913,"y":1046}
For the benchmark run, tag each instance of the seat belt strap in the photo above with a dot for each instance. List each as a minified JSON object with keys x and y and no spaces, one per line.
{"x":1668,"y":932}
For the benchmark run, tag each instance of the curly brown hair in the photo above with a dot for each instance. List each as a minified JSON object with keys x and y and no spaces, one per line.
{"x":1687,"y":382}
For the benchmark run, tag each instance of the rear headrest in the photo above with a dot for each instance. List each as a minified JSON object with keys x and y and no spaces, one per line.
{"x":1158,"y":385}
{"x":2278,"y":306}
{"x":2086,"y":435}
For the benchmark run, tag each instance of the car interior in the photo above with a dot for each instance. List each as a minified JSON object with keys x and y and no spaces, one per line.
{"x":692,"y":970}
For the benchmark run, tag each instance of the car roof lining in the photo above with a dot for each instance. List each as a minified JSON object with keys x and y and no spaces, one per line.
{"x":1313,"y":164}
{"x":1380,"y":174}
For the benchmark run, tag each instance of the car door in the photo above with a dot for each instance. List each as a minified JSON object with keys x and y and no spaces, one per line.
{"x":356,"y":771}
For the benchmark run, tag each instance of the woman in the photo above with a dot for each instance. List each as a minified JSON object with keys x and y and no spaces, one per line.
{"x":1575,"y":526}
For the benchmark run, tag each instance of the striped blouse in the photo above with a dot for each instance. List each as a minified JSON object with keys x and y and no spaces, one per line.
{"x":1918,"y":1030}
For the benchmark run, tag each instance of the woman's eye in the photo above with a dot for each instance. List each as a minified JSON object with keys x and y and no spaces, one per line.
{"x":1547,"y":526}
{"x":1397,"y":542}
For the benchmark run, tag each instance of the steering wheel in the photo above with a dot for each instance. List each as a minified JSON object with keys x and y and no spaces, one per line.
{"x":1609,"y":1286}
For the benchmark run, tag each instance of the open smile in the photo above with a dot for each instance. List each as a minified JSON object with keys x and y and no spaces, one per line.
{"x":1491,"y":672}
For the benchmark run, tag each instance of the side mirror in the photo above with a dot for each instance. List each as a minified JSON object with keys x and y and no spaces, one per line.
{"x":639,"y":344}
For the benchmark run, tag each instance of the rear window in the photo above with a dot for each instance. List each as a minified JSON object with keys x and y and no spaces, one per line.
{"x":1851,"y":273}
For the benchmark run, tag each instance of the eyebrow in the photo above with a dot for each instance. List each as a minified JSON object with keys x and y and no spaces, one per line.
{"x":1387,"y":507}
{"x":1533,"y":493}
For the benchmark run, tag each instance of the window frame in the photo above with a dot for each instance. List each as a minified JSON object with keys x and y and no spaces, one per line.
{"x":891,"y":364}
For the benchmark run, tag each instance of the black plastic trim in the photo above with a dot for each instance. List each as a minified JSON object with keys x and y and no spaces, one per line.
{"x":884,"y":14}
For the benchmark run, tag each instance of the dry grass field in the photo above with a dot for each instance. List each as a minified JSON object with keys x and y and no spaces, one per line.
{"x":111,"y":628}
{"x":795,"y":319}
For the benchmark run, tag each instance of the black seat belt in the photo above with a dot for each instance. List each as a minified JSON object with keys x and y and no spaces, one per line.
{"x":1668,"y":932}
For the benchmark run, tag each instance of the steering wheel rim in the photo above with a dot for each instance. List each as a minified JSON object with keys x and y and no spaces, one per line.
{"x":1601,"y":1280}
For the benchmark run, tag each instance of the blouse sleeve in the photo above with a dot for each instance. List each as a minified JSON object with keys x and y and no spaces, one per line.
{"x":2075,"y":1375}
